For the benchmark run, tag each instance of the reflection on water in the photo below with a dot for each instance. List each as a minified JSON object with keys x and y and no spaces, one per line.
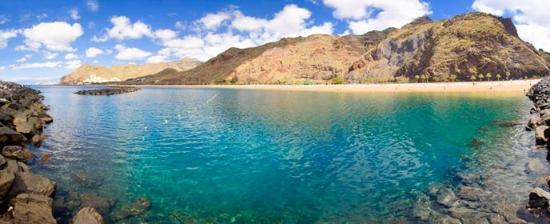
{"x":213,"y":155}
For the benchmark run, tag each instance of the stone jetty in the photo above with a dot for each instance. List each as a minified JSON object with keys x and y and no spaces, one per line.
{"x":26,"y":197}
{"x":107,"y":91}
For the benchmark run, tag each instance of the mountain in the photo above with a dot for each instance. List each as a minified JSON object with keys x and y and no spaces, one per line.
{"x":290,"y":60}
{"x":458,"y":48}
{"x":100,"y":74}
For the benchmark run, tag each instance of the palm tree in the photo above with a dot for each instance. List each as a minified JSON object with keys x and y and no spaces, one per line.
{"x":508,"y":75}
{"x":473,"y":78}
{"x":428,"y":77}
{"x":498,"y":77}
{"x":488,"y":76}
{"x":481,"y":76}
{"x":417,"y":77}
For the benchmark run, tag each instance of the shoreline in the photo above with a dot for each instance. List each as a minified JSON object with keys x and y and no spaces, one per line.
{"x":513,"y":86}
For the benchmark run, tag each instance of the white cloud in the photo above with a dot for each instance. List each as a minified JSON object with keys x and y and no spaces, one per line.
{"x":123,"y":29}
{"x":231,"y":28}
{"x":530,"y":16}
{"x":92,"y":5}
{"x":54,"y":36}
{"x":49,"y":55}
{"x":70,"y":56}
{"x":366,"y":15}
{"x":165,"y":34}
{"x":48,"y":64}
{"x":21,"y":60}
{"x":72,"y":64}
{"x":214,"y":20}
{"x":93,"y":52}
{"x":73,"y":13}
{"x":5,"y":36}
{"x":130,"y":54}
{"x":156,"y":59}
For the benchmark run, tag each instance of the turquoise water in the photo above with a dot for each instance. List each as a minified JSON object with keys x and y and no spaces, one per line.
{"x":245,"y":156}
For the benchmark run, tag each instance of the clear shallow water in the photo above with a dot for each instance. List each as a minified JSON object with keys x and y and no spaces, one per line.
{"x":215,"y":155}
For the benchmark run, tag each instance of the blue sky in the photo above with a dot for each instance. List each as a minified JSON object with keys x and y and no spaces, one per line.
{"x":43,"y":40}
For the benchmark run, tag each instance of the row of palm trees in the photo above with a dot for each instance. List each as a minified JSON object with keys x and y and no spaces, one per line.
{"x":474,"y":77}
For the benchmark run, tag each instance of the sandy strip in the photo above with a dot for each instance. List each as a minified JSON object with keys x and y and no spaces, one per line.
{"x":496,"y":87}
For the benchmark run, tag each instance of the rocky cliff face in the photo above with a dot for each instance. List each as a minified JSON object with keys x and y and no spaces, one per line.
{"x":465,"y":47}
{"x":117,"y":73}
{"x":461,"y":47}
{"x":317,"y":58}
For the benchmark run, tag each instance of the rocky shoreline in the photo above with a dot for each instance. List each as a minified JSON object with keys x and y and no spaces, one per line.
{"x":539,"y":94}
{"x":107,"y":91}
{"x":25,"y":196}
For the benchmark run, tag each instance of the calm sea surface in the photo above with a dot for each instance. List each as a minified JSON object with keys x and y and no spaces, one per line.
{"x":214,"y":155}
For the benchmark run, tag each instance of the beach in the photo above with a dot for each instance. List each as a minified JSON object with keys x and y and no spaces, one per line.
{"x":508,"y":87}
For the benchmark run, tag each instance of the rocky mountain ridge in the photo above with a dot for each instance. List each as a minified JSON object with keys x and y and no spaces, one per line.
{"x":473,"y":46}
{"x":101,"y":74}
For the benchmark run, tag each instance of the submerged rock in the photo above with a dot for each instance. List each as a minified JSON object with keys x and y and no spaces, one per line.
{"x":476,"y":143}
{"x":87,"y":215}
{"x":86,"y":179}
{"x":446,"y":197}
{"x":140,"y":206}
{"x":103,"y":205}
{"x":32,"y":208}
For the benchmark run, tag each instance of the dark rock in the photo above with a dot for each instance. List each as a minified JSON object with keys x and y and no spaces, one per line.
{"x":538,"y":199}
{"x":6,"y":181}
{"x":26,"y":182}
{"x":103,"y":205}
{"x":32,"y":208}
{"x":8,"y":136}
{"x":541,"y":134}
{"x":17,"y":152}
{"x":3,"y":162}
{"x":140,"y":206}
{"x":45,"y":157}
{"x":108,"y":91}
{"x":87,"y":215}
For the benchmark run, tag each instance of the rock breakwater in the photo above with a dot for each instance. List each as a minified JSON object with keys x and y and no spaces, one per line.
{"x":25,"y":197}
{"x":107,"y":91}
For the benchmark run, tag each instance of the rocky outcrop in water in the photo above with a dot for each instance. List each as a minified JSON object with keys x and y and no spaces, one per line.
{"x":107,"y":91}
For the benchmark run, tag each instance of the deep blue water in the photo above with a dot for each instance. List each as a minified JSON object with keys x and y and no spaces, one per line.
{"x":214,"y":155}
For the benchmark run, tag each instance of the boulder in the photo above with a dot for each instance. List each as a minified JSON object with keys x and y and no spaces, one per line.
{"x":3,"y":162}
{"x":37,"y":140}
{"x":47,"y":119}
{"x":17,"y":152}
{"x":541,"y":134}
{"x":103,"y":205}
{"x":6,"y":180}
{"x":538,"y":199}
{"x":140,"y":206}
{"x":32,"y":208}
{"x":27,"y":125}
{"x":26,"y":182}
{"x":87,"y":215}
{"x":534,"y":122}
{"x":8,"y":136}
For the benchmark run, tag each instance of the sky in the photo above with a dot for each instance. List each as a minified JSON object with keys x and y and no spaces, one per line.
{"x":44,"y":40}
